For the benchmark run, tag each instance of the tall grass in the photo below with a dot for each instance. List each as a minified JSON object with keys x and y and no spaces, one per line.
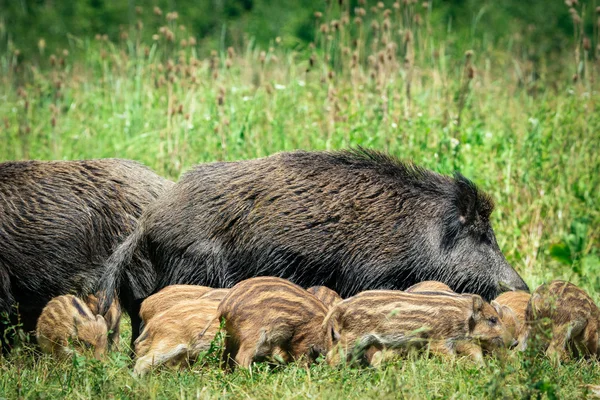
{"x":387,"y":76}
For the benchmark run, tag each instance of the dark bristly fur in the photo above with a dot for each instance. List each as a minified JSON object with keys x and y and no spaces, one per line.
{"x":349,"y":220}
{"x":388,"y":319}
{"x":59,"y":221}
{"x":569,"y":314}
{"x":270,"y":316}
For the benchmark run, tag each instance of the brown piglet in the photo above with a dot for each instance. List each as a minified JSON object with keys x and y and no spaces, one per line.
{"x":328,"y":296}
{"x":571,"y":316}
{"x":112,"y":316}
{"x":268,"y":316}
{"x":178,"y":335}
{"x":511,"y":308}
{"x":386,"y":319}
{"x":429,"y":286}
{"x":169,"y":296}
{"x":67,"y":320}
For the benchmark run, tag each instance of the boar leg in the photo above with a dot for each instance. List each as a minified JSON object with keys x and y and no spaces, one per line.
{"x":281,"y":355}
{"x":374,"y":355}
{"x":7,"y":303}
{"x":524,"y":337}
{"x":442,"y":347}
{"x":561,"y":335}
{"x":334,"y":356}
{"x":590,"y":339}
{"x":114,"y":337}
{"x":245,"y":355}
{"x":472,"y":350}
{"x":158,"y":356}
{"x":113,"y":320}
{"x":136,"y":322}
{"x":229,"y":354}
{"x":377,"y":358}
{"x":300,"y":350}
{"x":372,"y":345}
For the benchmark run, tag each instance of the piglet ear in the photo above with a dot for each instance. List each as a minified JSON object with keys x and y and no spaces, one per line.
{"x":477,"y":304}
{"x":100,"y":318}
{"x":498,"y":308}
{"x":335,"y":335}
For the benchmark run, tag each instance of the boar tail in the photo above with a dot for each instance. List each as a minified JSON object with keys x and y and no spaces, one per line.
{"x":119,"y":266}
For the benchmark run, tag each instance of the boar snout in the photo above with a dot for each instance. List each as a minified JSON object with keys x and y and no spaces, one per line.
{"x":516,"y":285}
{"x":510,"y":280}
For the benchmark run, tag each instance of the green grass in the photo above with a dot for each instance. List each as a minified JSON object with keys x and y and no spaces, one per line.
{"x":29,"y":375}
{"x":524,"y":130}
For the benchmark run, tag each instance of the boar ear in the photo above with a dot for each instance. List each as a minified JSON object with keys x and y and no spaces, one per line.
{"x":468,"y":204}
{"x":477,"y":304}
{"x":477,"y":309}
{"x":335,"y":335}
{"x":471,"y":201}
{"x":499,"y":309}
{"x":466,"y":199}
{"x":461,"y":212}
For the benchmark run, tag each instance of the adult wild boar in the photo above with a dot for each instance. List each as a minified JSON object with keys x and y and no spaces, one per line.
{"x":59,"y":221}
{"x":349,"y":220}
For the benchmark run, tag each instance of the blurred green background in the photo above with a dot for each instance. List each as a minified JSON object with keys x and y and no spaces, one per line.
{"x":232,"y":22}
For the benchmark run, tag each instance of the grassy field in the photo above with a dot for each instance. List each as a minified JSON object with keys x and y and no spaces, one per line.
{"x":524,"y":128}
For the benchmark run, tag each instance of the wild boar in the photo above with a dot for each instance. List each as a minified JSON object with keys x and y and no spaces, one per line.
{"x":384,"y":319}
{"x":177,"y":335}
{"x":270,"y":316}
{"x":169,"y":296}
{"x":329,"y":297}
{"x":511,"y":308}
{"x":349,"y":220}
{"x":67,"y":321}
{"x":59,"y":221}
{"x":569,"y":314}
{"x":429,"y":286}
{"x":112,"y":317}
